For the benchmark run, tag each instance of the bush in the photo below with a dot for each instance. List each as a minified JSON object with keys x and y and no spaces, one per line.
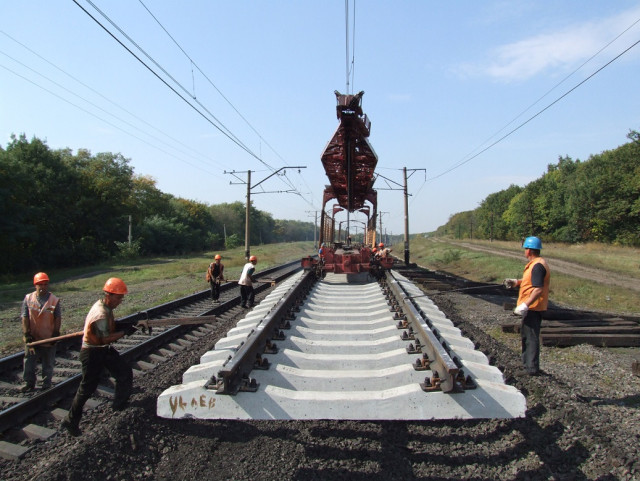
{"x":128,"y":251}
{"x":214,"y":241}
{"x":451,"y":255}
{"x":233,"y":241}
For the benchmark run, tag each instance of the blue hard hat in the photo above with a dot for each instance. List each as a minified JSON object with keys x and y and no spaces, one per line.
{"x":532,"y":243}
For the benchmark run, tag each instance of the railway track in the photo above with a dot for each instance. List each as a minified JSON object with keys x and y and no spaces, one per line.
{"x":331,"y":349}
{"x":561,"y":327}
{"x":35,"y":415}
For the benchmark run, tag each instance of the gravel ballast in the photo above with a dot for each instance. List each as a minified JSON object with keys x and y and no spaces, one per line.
{"x":583,"y":422}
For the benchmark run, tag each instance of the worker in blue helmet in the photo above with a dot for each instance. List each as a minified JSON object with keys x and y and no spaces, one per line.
{"x":533,"y":300}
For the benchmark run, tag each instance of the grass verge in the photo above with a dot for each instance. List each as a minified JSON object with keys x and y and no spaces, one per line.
{"x":565,"y":290}
{"x":151,"y":281}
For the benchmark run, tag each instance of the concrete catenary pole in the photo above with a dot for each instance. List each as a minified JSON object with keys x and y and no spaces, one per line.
{"x":247,"y":225}
{"x":406,"y":219}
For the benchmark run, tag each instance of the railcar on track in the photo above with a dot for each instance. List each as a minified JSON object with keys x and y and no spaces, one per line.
{"x":349,"y":162}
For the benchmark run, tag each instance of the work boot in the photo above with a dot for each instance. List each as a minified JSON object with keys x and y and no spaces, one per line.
{"x":46,"y":386}
{"x":71,"y":427}
{"x":27,"y":388}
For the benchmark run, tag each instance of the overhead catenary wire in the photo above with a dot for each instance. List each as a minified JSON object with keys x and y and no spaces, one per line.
{"x":131,"y":127}
{"x":158,"y":139}
{"x":460,"y":164}
{"x":346,"y":43}
{"x":220,"y":127}
{"x":114,"y":119}
{"x":556,"y":85}
{"x":166,"y":78}
{"x":115,"y":104}
{"x":102,"y":119}
{"x":193,"y":64}
{"x":466,"y":160}
{"x":353,"y":46}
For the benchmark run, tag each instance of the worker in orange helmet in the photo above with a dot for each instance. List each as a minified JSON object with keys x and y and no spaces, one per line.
{"x":41,"y":319}
{"x":97,"y":354}
{"x":215,"y":275}
{"x":246,"y":283}
{"x":382,"y":251}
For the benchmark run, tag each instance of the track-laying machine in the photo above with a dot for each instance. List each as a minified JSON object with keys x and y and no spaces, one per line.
{"x":349,"y":162}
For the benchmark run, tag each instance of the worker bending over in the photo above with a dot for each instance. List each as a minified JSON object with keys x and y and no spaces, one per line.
{"x":215,"y":275}
{"x":97,"y":354}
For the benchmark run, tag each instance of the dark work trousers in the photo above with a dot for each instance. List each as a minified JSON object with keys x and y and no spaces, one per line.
{"x":215,"y":289}
{"x":94,"y":360}
{"x":246,"y":296}
{"x":530,"y":332}
{"x":47,"y":355}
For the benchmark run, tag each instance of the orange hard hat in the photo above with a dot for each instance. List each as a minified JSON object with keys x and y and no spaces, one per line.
{"x":218,"y":257}
{"x":115,"y":286}
{"x":381,"y":244}
{"x":375,"y":250}
{"x":253,"y":258}
{"x":39,"y":278}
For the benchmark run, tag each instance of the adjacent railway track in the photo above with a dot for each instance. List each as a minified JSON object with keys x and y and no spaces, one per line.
{"x":35,"y":414}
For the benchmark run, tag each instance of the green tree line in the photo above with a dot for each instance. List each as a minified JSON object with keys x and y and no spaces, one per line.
{"x":58,"y":209}
{"x":595,"y":200}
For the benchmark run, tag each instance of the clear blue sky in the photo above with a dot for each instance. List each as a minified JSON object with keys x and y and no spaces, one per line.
{"x":442,"y":81}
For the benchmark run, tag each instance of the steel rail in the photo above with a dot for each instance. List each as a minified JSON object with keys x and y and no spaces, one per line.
{"x":441,"y":362}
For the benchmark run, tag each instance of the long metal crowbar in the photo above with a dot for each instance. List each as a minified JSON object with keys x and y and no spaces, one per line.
{"x":488,"y":286}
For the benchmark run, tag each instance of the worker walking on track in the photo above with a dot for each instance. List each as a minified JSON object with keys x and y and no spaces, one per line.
{"x":215,"y":275}
{"x":97,"y":354}
{"x":246,"y":283}
{"x":532,"y":302}
{"x":41,"y":319}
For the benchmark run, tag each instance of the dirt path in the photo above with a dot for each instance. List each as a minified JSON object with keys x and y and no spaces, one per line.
{"x":569,"y":268}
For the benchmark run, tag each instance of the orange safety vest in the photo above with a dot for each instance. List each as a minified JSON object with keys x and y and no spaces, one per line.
{"x":540,"y":304}
{"x":41,"y":320}
{"x":98,"y":311}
